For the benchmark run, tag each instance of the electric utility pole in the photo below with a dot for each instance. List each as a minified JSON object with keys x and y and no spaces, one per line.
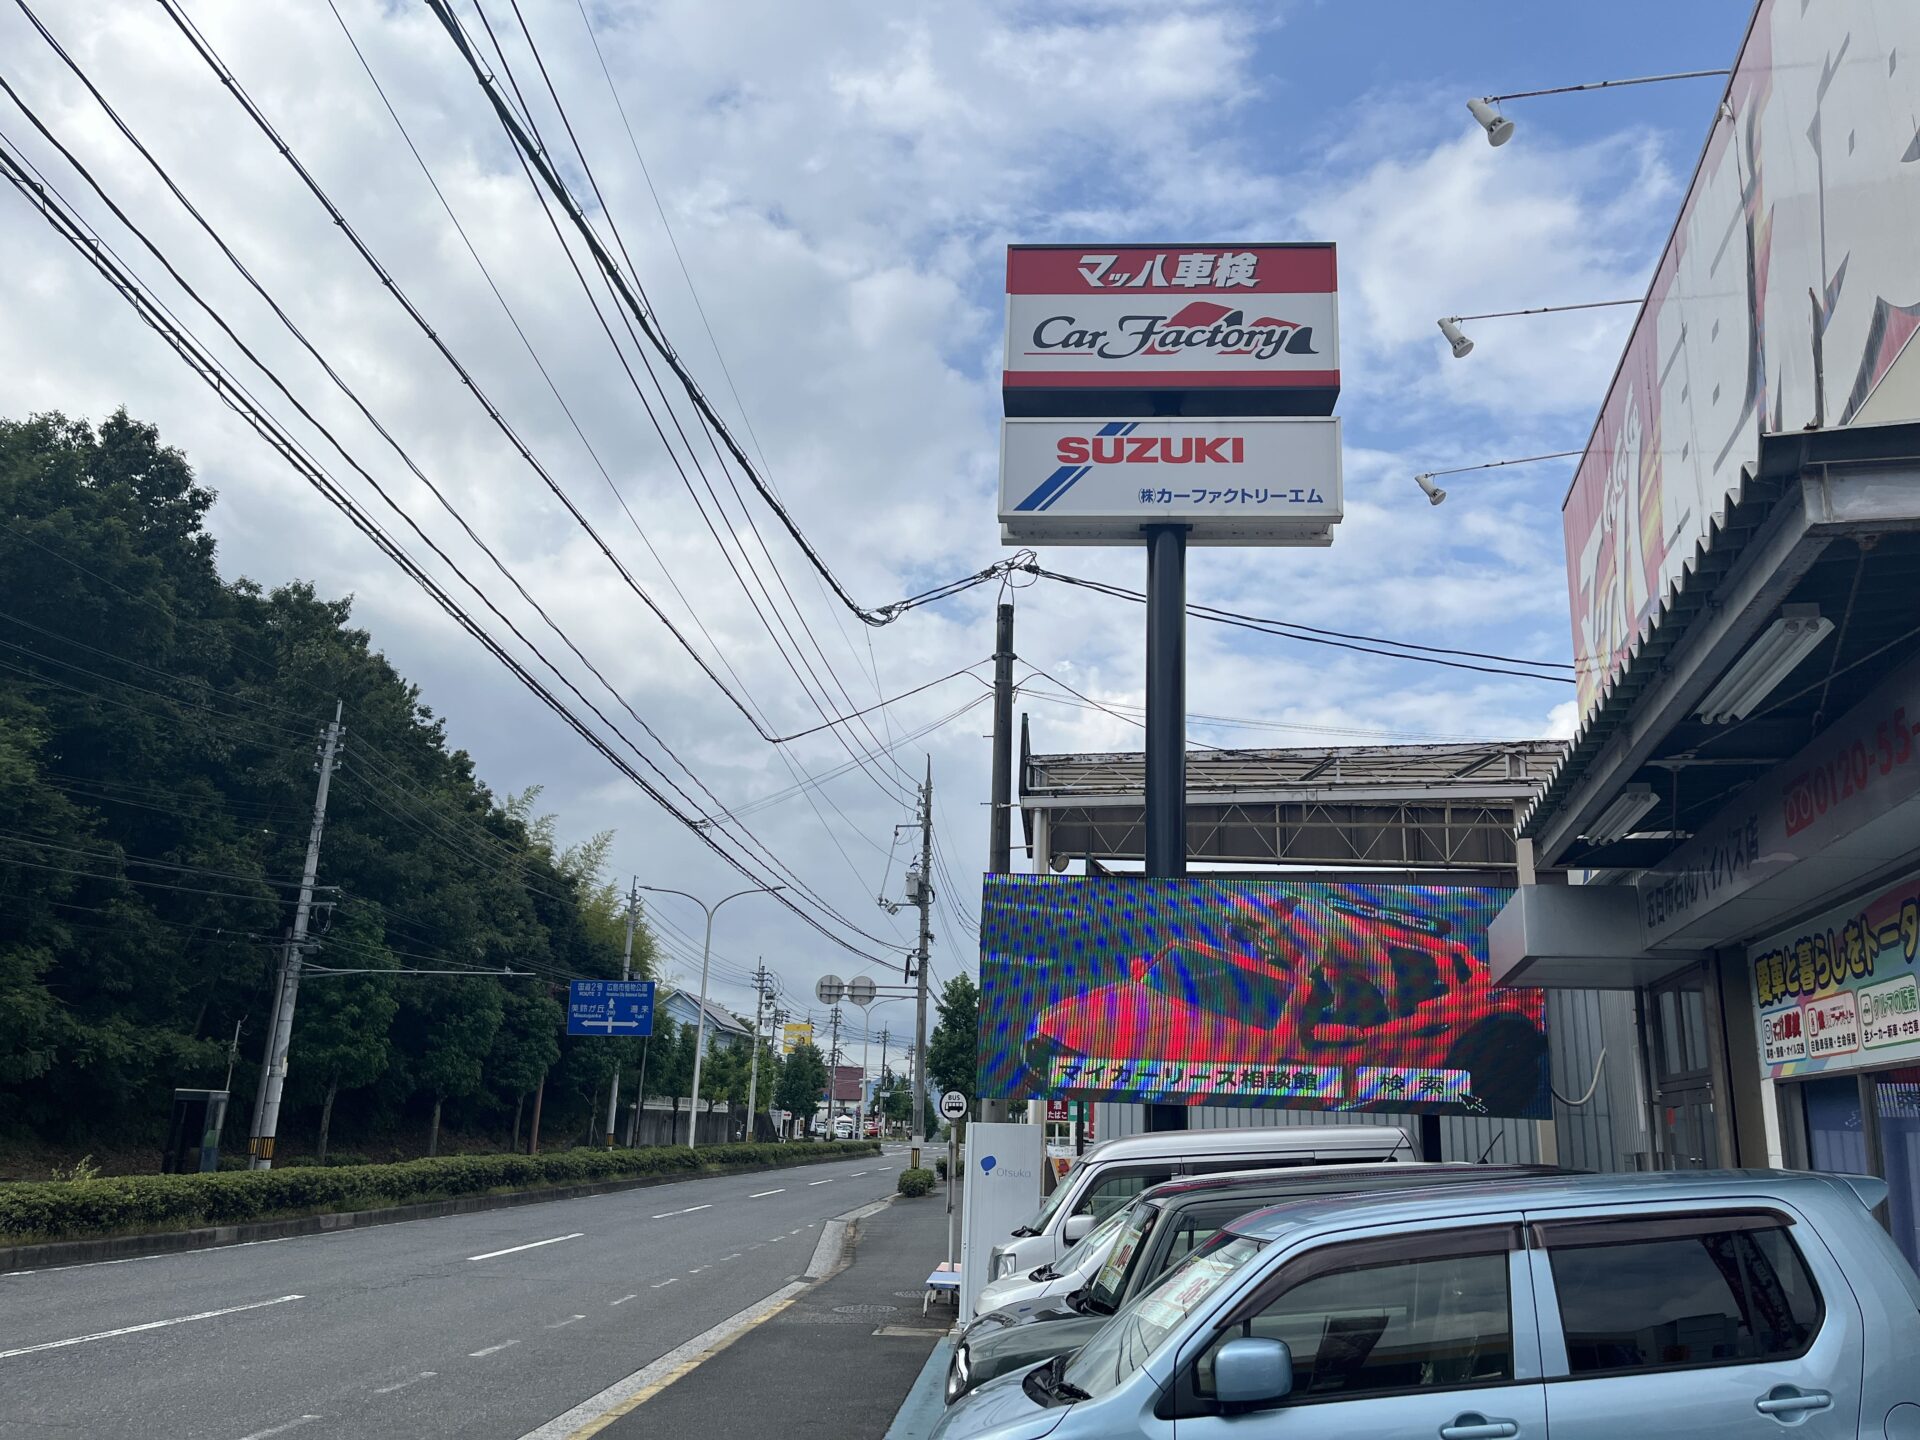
{"x":1000,"y":817}
{"x":833,"y":1069}
{"x":922,"y":896}
{"x":626,"y":973}
{"x":760,"y":992}
{"x":273,"y":1072}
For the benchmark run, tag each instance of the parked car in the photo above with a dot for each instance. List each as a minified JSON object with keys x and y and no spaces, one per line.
{"x":1164,"y":1226}
{"x":1047,"y":1284}
{"x":872,"y":1132}
{"x":1114,"y":1172}
{"x":1355,"y":985}
{"x":843,"y":1127}
{"x":1583,"y":1306}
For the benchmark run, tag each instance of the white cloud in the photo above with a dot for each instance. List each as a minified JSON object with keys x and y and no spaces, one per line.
{"x":841,"y":181}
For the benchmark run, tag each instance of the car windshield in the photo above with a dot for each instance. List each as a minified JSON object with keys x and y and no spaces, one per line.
{"x":1128,"y":1340}
{"x":1104,"y":1293}
{"x":1037,"y":1221}
{"x":1088,"y":1247}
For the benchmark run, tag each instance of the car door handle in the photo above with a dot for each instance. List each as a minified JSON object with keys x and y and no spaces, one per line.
{"x":1478,"y":1427}
{"x":1785,"y":1400}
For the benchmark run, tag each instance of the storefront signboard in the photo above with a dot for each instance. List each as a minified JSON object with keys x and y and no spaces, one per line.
{"x":1840,"y":992}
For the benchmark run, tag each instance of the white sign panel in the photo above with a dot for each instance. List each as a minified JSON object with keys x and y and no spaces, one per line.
{"x":1225,"y":329}
{"x":1234,"y":482}
{"x":1001,"y":1189}
{"x":1809,"y":183}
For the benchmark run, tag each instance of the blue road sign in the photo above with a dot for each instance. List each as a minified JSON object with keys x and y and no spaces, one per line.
{"x":610,"y":1007}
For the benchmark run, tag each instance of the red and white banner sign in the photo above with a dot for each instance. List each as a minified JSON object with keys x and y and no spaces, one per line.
{"x":1186,"y":329}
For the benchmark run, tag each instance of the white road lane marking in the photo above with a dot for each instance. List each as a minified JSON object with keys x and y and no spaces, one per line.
{"x":491,"y":1350}
{"x":562,"y":1324}
{"x":812,"y":1183}
{"x":764,"y":1193}
{"x":698,"y":1268}
{"x":530,"y":1245}
{"x":401,"y":1385}
{"x":688,"y":1211}
{"x":149,"y":1325}
{"x":623,"y":1300}
{"x":856,"y":1174}
{"x":279,"y":1429}
{"x":664,"y":1283}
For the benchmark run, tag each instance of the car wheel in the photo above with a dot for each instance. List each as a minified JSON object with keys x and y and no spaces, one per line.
{"x":1507,"y":1059}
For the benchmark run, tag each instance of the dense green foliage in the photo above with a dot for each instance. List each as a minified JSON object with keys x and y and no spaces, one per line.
{"x":158,"y":728}
{"x":953,"y":1049}
{"x":915,"y":1182}
{"x":62,"y":1210}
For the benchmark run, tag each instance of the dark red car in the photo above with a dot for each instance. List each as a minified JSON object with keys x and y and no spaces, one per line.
{"x":1348,"y":984}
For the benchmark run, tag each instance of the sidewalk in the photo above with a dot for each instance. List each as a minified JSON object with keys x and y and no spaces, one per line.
{"x":836,"y":1363}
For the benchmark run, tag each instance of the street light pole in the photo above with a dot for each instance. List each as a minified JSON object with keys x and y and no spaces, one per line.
{"x":706,"y":955}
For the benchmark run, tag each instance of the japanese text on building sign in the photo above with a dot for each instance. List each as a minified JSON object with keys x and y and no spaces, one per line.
{"x":1193,"y":270}
{"x":1848,"y":771}
{"x":1811,"y":964}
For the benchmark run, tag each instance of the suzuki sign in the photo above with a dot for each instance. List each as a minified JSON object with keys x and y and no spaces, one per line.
{"x":1171,"y":330}
{"x":1234,"y":482}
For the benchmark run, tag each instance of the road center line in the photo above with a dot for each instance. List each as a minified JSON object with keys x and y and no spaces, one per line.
{"x":664,"y":1283}
{"x":623,"y":1299}
{"x":491,"y":1350}
{"x":734,"y":1256}
{"x":764,"y":1193}
{"x":279,"y":1429}
{"x":531,"y":1245}
{"x":149,"y":1325}
{"x":403,"y":1384}
{"x":562,"y":1324}
{"x":688,"y":1211}
{"x":812,"y":1183}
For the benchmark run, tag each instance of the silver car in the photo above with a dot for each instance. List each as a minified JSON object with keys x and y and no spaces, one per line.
{"x":1701,"y":1304}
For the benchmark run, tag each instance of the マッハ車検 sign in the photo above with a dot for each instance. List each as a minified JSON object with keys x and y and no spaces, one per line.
{"x":1230,"y":481}
{"x":1217,"y":329}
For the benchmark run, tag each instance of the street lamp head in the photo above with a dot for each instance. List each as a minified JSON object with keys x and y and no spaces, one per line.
{"x":1456,"y":337}
{"x":1434,"y":493}
{"x":1499,"y":129}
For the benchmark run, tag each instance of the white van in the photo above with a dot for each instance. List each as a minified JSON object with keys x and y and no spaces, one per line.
{"x":1113,"y":1172}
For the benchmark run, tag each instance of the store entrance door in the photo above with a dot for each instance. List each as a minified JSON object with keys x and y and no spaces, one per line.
{"x":1684,"y":1119}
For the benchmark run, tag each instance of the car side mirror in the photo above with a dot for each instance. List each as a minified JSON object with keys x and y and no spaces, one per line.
{"x":1252,"y":1371}
{"x":1077,"y":1228}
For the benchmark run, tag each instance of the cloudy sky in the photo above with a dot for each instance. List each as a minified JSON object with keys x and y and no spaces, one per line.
{"x":816,"y":198}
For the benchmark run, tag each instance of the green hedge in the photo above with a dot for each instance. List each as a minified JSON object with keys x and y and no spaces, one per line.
{"x":65,"y":1210}
{"x":915,"y":1182}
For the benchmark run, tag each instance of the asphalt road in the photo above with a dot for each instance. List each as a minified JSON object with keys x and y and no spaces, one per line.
{"x":475,"y":1326}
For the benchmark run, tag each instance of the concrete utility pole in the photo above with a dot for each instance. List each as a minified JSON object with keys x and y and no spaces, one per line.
{"x":626,"y":973}
{"x":273,"y":1074}
{"x":833,"y":1069}
{"x":922,"y":897}
{"x":876,"y":1083}
{"x":759,"y":1007}
{"x":1000,"y":817}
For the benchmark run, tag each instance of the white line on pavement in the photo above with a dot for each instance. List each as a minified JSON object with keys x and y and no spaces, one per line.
{"x":623,"y":1300}
{"x":279,"y":1429}
{"x":530,"y":1245}
{"x":764,"y":1193}
{"x":856,"y":1174}
{"x":674,"y":1281}
{"x":812,"y":1183}
{"x":688,"y":1211}
{"x":403,"y":1384}
{"x":491,"y":1350}
{"x":698,"y":1268}
{"x":562,"y":1324}
{"x":734,"y":1256}
{"x":149,"y":1325}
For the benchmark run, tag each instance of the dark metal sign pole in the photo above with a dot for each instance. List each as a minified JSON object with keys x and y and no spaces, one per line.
{"x":1166,"y":848}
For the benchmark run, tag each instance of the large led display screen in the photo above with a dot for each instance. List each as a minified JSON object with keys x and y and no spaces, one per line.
{"x":1310,"y":995}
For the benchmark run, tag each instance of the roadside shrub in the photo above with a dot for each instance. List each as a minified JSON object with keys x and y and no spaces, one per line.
{"x":940,"y":1166}
{"x":915,"y":1182}
{"x":66,"y":1209}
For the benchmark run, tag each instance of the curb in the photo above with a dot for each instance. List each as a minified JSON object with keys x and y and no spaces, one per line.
{"x":830,"y":1256}
{"x":18,"y":1259}
{"x":926,"y":1401}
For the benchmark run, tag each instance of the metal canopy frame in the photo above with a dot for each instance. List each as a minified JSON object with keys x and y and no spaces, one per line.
{"x":1436,"y":807}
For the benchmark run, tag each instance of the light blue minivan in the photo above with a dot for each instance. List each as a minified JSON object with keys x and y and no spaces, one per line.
{"x":1585,"y":1307}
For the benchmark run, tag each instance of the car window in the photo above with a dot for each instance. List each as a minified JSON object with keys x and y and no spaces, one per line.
{"x":1655,"y":1293}
{"x":1105,"y":1290}
{"x":1088,"y":1246}
{"x":1424,"y":1312}
{"x":1119,"y":1187}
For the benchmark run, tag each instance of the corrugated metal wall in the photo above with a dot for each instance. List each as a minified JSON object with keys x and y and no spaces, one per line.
{"x":1601,"y":1134}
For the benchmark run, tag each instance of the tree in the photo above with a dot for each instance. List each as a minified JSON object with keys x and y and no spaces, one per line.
{"x":803,"y":1080}
{"x":343,"y":1035}
{"x":953,"y":1050}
